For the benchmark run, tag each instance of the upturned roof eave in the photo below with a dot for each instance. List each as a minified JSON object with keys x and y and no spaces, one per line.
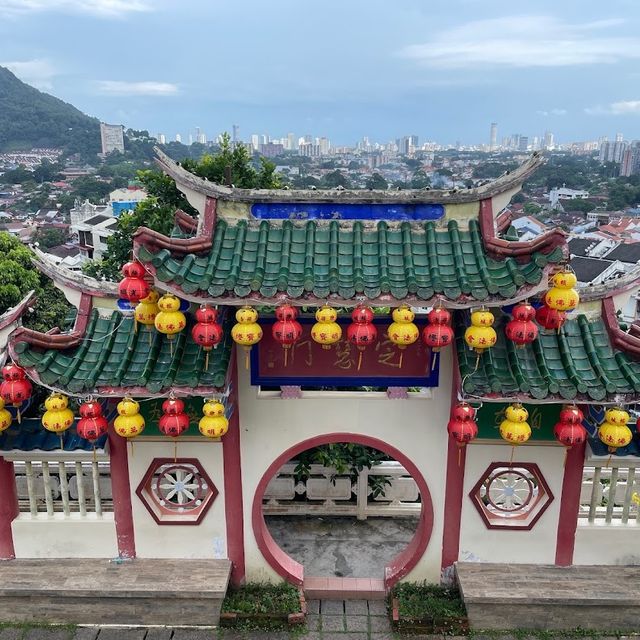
{"x":410,"y":196}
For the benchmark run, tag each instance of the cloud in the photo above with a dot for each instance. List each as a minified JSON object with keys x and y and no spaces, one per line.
{"x":552,"y":112}
{"x":102,"y":8}
{"x":38,"y":72}
{"x":622,"y":108}
{"x":147,"y":88}
{"x":524,"y":41}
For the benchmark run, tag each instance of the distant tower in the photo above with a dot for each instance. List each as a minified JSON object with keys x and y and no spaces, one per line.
{"x":178,"y":137}
{"x":234,"y":136}
{"x":162,"y":138}
{"x":493,"y":137}
{"x":112,"y":137}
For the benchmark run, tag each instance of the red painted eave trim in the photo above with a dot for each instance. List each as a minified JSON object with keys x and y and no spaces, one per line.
{"x":55,"y":340}
{"x":626,"y":342}
{"x":11,"y":315}
{"x":501,"y":248}
{"x":201,"y":243}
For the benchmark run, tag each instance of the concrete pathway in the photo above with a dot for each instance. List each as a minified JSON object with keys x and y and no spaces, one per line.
{"x":342,"y":547}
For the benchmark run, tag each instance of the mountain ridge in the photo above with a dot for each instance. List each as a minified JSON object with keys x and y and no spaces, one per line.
{"x":30,"y":118}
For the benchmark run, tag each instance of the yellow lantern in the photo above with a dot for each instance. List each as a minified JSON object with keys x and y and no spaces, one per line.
{"x":326,"y":331}
{"x":481,"y":335}
{"x":614,"y":431}
{"x":147,"y":309}
{"x":129,"y":422}
{"x":617,"y":416}
{"x":213,"y":424}
{"x":562,"y":296}
{"x":246,"y":332}
{"x":516,"y":413}
{"x":57,"y":417}
{"x":514,"y":428}
{"x":169,"y":320}
{"x":5,"y":417}
{"x":402,"y":331}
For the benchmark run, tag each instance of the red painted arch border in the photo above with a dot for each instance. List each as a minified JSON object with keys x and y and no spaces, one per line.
{"x":293,"y":571}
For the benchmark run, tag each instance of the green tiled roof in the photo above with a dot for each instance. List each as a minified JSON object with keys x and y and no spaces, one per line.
{"x":578,"y":363}
{"x":113,"y":355}
{"x":305,"y":259}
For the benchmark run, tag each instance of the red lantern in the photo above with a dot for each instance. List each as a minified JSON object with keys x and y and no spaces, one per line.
{"x":571,"y":415}
{"x":569,"y":434}
{"x":569,"y":430}
{"x":15,"y":388}
{"x":521,"y":329}
{"x":133,"y":287}
{"x":438,"y":333}
{"x":550,"y":319}
{"x":174,"y":421}
{"x":207,"y":332}
{"x":462,"y":427}
{"x":286,"y":329}
{"x":362,"y":332}
{"x":92,"y":424}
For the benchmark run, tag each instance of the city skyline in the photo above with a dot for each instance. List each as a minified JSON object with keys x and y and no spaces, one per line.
{"x":444,"y":71}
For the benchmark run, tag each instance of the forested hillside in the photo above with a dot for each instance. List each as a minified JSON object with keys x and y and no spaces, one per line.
{"x":30,"y":118}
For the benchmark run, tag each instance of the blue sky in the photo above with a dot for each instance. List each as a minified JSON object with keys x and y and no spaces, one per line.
{"x":442,"y":69}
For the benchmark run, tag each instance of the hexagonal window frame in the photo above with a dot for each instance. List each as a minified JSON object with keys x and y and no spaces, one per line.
{"x":508,"y":477}
{"x":201,"y":492}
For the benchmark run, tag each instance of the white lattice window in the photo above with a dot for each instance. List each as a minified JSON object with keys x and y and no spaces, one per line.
{"x":511,"y":496}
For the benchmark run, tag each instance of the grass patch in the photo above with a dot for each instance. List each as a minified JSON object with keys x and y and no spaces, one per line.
{"x":263,"y":598}
{"x":429,"y":608}
{"x":423,"y":600}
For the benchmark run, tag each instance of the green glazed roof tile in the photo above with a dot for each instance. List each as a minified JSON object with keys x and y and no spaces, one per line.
{"x":347,"y":259}
{"x":115,"y":354}
{"x":576,"y":363}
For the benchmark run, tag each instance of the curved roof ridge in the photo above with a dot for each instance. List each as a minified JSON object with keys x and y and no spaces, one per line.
{"x":414,"y":196}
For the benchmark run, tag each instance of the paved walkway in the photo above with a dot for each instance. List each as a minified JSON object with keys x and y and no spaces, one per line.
{"x":326,"y":620}
{"x":343,"y":547}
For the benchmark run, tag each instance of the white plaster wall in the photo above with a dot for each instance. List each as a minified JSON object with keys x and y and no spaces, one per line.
{"x":415,"y":426}
{"x":607,"y":544}
{"x":60,"y":537}
{"x":477,"y":543}
{"x":206,"y":540}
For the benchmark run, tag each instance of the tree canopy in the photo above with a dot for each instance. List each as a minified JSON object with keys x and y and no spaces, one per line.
{"x":158,"y":210}
{"x":19,"y":277}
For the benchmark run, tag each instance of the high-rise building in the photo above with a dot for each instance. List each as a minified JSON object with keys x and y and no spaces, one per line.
{"x":325,"y":146}
{"x":178,"y":137}
{"x":619,"y":137}
{"x":162,"y":138}
{"x":255,"y":141}
{"x":523,"y":143}
{"x":112,"y":138}
{"x":235,"y":134}
{"x":630,"y":161}
{"x":493,"y":137}
{"x":291,"y":142}
{"x":548,"y":140}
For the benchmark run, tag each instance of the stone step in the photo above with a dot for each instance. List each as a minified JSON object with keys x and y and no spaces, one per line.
{"x":512,"y":596}
{"x":138,"y":592}
{"x":316,"y":588}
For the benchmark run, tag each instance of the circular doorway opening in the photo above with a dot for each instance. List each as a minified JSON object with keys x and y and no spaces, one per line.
{"x":330,"y":479}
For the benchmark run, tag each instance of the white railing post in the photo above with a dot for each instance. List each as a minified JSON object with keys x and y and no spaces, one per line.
{"x":95,"y":472}
{"x":48,"y":497}
{"x":31,"y":489}
{"x":608,"y":497}
{"x":362,"y":495}
{"x":82,"y":503}
{"x":64,"y":488}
